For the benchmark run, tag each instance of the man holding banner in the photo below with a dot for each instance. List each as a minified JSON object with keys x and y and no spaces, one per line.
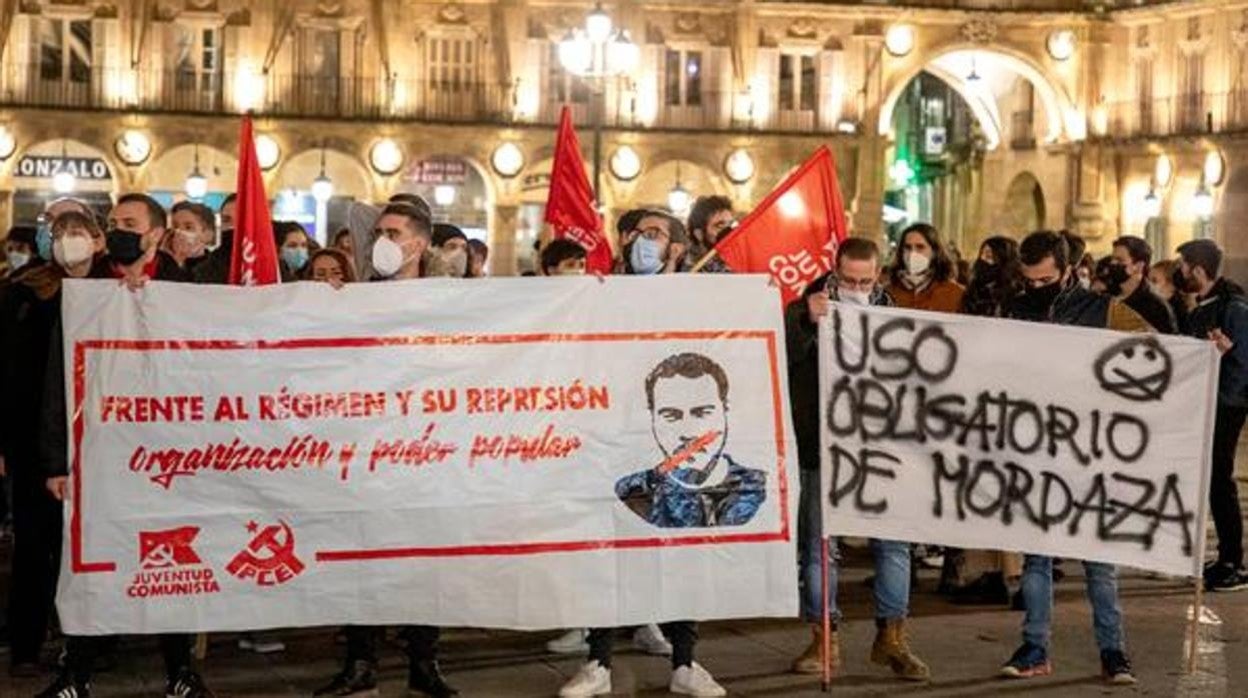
{"x":854,"y":282}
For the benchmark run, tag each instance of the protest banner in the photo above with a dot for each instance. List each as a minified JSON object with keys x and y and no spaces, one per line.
{"x":1004,"y":435}
{"x":497,"y":453}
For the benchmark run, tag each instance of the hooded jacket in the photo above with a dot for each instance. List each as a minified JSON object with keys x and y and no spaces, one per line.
{"x":1226,"y":308}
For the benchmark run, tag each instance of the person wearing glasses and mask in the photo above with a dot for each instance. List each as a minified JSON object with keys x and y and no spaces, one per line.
{"x":854,"y":281}
{"x":655,"y":245}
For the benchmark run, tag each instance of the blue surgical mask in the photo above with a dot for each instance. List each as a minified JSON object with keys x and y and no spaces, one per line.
{"x":43,"y":239}
{"x":295,"y":257}
{"x":646,"y":256}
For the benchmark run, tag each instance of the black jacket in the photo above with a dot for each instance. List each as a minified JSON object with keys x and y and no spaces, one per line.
{"x":1153,"y":309}
{"x":215,"y":267}
{"x":1226,"y":308}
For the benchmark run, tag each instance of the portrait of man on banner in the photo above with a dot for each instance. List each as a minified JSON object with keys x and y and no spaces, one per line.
{"x":697,"y":484}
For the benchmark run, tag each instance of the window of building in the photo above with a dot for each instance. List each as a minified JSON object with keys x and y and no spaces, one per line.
{"x":683,"y":78}
{"x":451,"y":64}
{"x":564,"y":87}
{"x":197,"y":52}
{"x":797,"y":82}
{"x":324,"y":55}
{"x":65,"y":50}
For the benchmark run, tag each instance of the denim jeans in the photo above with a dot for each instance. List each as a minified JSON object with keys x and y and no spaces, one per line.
{"x":1102,"y":586}
{"x":892,"y":563}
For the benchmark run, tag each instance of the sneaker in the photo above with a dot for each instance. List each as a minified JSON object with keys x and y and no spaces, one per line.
{"x":186,"y":684}
{"x":693,"y":680}
{"x":65,"y":687}
{"x":593,"y":679}
{"x":649,"y":639}
{"x":1116,"y":668}
{"x":1028,"y":661}
{"x":571,"y":642}
{"x":424,"y":678}
{"x":359,"y":678}
{"x":260,"y":645}
{"x":1226,"y":578}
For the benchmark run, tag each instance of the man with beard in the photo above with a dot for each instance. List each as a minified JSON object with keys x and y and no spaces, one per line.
{"x":1053,"y":295}
{"x":1221,"y":314}
{"x":1128,"y":282}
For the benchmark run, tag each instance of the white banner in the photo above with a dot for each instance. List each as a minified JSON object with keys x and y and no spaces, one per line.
{"x":521,"y":453}
{"x":1003,"y":435}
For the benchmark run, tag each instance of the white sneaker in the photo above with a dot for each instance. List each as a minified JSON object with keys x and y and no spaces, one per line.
{"x":592,"y":680}
{"x":649,"y":639}
{"x":693,"y":680}
{"x":571,"y":642}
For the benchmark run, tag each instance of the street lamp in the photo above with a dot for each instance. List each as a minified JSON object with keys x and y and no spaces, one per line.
{"x":678,"y":199}
{"x":596,"y":53}
{"x":63,"y":182}
{"x":196,"y":183}
{"x":322,"y":186}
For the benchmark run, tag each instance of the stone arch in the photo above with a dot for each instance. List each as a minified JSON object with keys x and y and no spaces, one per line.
{"x":99,"y":176}
{"x":166,"y":174}
{"x":1024,"y":205}
{"x":1058,"y":106}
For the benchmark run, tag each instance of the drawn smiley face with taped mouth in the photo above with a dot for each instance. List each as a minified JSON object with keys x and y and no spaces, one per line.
{"x":1137,"y":369}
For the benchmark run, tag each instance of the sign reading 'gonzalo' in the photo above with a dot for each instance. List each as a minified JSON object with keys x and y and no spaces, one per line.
{"x":986,"y":433}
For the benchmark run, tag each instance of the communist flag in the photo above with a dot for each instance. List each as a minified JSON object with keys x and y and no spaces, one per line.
{"x":570,"y":205}
{"x":253,"y":261}
{"x":793,"y":234}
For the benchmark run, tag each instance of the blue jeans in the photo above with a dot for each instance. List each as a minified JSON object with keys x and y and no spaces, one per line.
{"x":1102,"y":585}
{"x":892,"y":563}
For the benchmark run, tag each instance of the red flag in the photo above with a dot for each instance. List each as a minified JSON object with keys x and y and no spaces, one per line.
{"x":570,"y":205}
{"x":253,"y":261}
{"x":793,"y":234}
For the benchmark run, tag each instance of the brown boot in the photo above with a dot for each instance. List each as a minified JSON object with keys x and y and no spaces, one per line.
{"x":809,"y":662}
{"x":892,"y":650}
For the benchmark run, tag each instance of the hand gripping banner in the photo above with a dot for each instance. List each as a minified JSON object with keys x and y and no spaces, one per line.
{"x":497,"y":453}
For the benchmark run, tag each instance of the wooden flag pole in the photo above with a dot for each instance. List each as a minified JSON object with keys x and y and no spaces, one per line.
{"x":706,"y":259}
{"x":1194,"y":628}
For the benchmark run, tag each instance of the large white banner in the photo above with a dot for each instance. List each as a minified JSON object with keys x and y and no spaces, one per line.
{"x":1005,"y":435}
{"x":521,"y":453}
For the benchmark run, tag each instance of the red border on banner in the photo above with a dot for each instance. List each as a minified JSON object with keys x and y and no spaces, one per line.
{"x":79,"y":566}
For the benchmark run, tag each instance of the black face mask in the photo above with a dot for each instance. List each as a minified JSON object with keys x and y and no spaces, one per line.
{"x":1038,"y":301}
{"x":983,"y":273}
{"x":1115,"y":276}
{"x":124,"y":246}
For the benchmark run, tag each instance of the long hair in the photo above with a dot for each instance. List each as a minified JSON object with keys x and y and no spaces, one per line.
{"x":942,"y":265}
{"x":986,"y":296}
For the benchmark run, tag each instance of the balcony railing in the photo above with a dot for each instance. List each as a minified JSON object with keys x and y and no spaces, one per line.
{"x":1181,"y":115}
{"x":381,"y":98}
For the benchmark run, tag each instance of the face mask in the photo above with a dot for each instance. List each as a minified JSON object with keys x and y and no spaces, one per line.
{"x":17,"y":260}
{"x":124,"y":246}
{"x":1085,"y":283}
{"x":917,"y":263}
{"x":295,"y":257}
{"x":456,"y":262}
{"x":982,"y":271}
{"x":71,"y":251}
{"x":191,"y":242}
{"x":388,"y":257}
{"x":1039,"y":300}
{"x":646,"y":257}
{"x":1115,"y":277}
{"x":854,"y":296}
{"x":43,"y":240}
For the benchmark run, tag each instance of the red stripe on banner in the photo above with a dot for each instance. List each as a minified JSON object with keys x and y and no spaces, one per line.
{"x":79,"y":566}
{"x":504,"y":549}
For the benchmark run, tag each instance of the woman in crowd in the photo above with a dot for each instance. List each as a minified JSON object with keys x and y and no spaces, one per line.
{"x":922,"y":276}
{"x":996,"y":277}
{"x":294,"y":248}
{"x":193,"y":228}
{"x":330,"y":266}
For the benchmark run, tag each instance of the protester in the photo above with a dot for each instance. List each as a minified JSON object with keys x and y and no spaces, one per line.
{"x":710,"y":218}
{"x":478,"y":257}
{"x":451,"y":245}
{"x":996,"y":278}
{"x":922,"y":274}
{"x":1161,"y":281}
{"x":1132,"y":258}
{"x":194,"y":229}
{"x":331,"y":266}
{"x":853,"y":282}
{"x":19,"y":248}
{"x":1053,"y":295}
{"x":403,"y":234}
{"x":656,"y":245}
{"x":29,"y":308}
{"x":342,"y":243}
{"x":563,"y":257}
{"x":43,"y":224}
{"x":1221,"y":315}
{"x":136,"y":226}
{"x":293,"y":248}
{"x":215,"y":268}
{"x":1103,"y":281}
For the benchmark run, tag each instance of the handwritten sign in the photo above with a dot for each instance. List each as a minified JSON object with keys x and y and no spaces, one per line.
{"x":985,"y":433}
{"x":438,"y":451}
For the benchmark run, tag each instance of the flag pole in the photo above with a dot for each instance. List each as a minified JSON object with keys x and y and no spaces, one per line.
{"x":1194,"y":628}
{"x":825,"y":642}
{"x":706,"y":259}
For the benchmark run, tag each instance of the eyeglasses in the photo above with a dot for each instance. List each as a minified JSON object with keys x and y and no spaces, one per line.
{"x":654,"y":233}
{"x":856,"y":285}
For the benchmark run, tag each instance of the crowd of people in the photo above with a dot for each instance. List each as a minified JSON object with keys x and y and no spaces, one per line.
{"x":1047,"y":277}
